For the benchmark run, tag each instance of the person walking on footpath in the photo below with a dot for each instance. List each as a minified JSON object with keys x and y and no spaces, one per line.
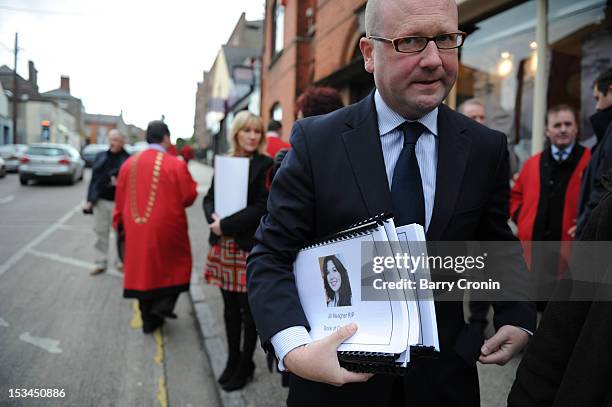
{"x":101,"y":196}
{"x":231,"y":239}
{"x":153,"y":190}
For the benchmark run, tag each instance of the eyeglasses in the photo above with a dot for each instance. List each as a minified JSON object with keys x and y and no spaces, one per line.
{"x":412,"y":44}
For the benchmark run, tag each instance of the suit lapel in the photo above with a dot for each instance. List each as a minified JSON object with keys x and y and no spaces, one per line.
{"x":364,"y":151}
{"x":453,"y":152}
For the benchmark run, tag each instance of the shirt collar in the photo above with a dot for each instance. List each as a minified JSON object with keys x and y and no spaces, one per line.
{"x":567,"y":150}
{"x":158,"y":147}
{"x":388,"y":119}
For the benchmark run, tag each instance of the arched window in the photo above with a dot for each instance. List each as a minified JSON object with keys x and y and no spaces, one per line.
{"x":278,"y":26}
{"x":276,"y":112}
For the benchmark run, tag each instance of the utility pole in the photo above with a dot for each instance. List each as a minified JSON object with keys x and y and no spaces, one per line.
{"x":15,"y":95}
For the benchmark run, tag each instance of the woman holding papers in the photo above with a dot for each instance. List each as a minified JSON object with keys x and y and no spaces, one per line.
{"x":231,"y":239}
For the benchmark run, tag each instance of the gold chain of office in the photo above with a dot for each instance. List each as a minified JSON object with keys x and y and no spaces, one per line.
{"x":140,"y":220}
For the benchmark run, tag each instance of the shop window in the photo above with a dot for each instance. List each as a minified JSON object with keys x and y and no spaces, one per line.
{"x":498,"y":63}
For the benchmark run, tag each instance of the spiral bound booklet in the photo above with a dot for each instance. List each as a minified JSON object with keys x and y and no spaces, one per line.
{"x":330,"y":276}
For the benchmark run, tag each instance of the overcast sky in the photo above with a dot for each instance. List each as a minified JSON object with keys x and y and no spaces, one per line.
{"x":140,"y":57}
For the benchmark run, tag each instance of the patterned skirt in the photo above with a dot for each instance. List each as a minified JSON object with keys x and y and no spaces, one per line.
{"x":226,"y":266}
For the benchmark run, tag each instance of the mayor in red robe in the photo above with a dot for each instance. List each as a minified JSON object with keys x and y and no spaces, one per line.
{"x":153,"y":190}
{"x":544,"y":198}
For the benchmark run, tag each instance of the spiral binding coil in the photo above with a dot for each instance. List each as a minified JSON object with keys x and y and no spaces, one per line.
{"x":358,"y":229}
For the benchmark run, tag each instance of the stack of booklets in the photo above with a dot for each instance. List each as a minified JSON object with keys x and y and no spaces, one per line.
{"x":338,"y":284}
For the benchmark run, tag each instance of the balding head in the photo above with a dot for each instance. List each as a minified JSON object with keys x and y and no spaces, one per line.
{"x":414,"y":83}
{"x":115,"y":141}
{"x":474,"y":109}
{"x":371,"y":17}
{"x":374,"y":15}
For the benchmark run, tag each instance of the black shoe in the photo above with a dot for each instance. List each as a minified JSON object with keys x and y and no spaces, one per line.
{"x":230,"y":369}
{"x":241,"y":378}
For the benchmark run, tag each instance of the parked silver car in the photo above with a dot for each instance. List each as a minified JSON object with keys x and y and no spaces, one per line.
{"x":2,"y":168}
{"x":47,"y":161}
{"x":11,"y":153}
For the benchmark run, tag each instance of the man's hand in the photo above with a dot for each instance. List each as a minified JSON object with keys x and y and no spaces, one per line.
{"x":88,"y":207}
{"x":572,"y":231}
{"x":502,"y":346}
{"x":215,"y":227}
{"x":318,"y":360}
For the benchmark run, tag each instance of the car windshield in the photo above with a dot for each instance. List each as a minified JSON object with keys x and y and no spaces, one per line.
{"x":48,"y":151}
{"x":7,"y":149}
{"x":94,"y":148}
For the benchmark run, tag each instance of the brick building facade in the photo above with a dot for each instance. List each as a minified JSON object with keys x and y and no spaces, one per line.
{"x":320,"y":47}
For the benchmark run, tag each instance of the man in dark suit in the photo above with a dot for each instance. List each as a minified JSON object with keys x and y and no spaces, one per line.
{"x":363,"y":160}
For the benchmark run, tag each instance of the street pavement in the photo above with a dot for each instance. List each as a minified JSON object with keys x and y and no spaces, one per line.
{"x":60,"y":328}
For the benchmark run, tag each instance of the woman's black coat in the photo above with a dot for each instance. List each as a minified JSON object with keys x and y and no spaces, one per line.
{"x":243,"y":224}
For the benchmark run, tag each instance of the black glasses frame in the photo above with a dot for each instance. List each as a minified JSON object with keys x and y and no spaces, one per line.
{"x":396,"y":41}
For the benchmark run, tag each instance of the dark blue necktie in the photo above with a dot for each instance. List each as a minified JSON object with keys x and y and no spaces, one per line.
{"x":406,"y":188}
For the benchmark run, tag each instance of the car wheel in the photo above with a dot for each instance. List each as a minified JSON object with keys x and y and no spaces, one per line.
{"x":70,"y":179}
{"x":23,"y":181}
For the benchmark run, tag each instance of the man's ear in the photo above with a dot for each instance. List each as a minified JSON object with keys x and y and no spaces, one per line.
{"x":367,"y":50}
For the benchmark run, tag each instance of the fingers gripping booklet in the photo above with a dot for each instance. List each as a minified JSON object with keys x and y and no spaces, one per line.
{"x":335,"y":279}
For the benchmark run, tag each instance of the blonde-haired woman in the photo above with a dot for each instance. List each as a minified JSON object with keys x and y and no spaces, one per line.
{"x":231,"y":239}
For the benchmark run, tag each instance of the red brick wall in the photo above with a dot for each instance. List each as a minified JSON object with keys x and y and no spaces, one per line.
{"x":305,"y":59}
{"x":336,"y":37}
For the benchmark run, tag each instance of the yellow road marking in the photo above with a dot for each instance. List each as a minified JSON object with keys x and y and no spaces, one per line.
{"x":136,"y":318}
{"x":159,"y":341}
{"x":162,"y":395}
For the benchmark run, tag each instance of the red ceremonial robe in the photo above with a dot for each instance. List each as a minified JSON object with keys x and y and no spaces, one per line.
{"x":153,"y":190}
{"x":525,"y":199}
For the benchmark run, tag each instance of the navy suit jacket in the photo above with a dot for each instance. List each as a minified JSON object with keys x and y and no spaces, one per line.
{"x":334,"y":176}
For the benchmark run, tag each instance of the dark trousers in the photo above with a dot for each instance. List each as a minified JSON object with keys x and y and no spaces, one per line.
{"x":238,"y":319}
{"x":152,"y":311}
{"x":443,"y":382}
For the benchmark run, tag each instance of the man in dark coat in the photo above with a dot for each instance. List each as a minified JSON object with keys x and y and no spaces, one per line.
{"x":341,"y":169}
{"x":101,"y":195}
{"x":592,"y":189}
{"x":544,"y":198}
{"x":569,"y":362}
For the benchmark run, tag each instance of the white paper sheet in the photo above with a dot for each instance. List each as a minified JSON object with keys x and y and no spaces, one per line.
{"x":383,"y":325}
{"x":412,"y":238}
{"x":231,"y":184}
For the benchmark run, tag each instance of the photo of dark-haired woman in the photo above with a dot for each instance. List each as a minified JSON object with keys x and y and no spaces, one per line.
{"x":336,"y":282}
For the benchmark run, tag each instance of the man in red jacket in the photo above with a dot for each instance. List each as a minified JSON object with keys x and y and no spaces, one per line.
{"x":153,"y":190}
{"x":274,"y":138}
{"x":544,"y":199}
